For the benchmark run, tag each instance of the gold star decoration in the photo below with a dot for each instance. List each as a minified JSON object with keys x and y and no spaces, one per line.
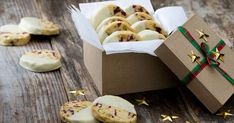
{"x":225,"y":114}
{"x":202,"y":35}
{"x":194,"y":57}
{"x":168,"y":117}
{"x":78,"y":92}
{"x":218,"y":55}
{"x":142,"y":102}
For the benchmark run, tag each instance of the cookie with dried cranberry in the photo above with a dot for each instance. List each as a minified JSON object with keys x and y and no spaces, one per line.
{"x":105,"y":12}
{"x":12,"y":35}
{"x":109,"y":20}
{"x":150,"y":35}
{"x":114,"y":109}
{"x":111,"y":114}
{"x":148,"y":25}
{"x":122,"y":36}
{"x":37,"y":26}
{"x":138,"y":16}
{"x":135,"y":8}
{"x":77,"y":112}
{"x":41,"y":60}
{"x":113,"y":27}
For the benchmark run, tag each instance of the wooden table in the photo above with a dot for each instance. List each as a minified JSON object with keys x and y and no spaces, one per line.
{"x":27,"y":97}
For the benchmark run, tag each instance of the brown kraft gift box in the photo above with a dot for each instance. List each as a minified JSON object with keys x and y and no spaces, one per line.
{"x":209,"y":86}
{"x":124,"y":73}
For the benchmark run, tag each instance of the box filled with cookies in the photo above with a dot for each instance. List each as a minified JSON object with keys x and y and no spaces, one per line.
{"x":119,"y":40}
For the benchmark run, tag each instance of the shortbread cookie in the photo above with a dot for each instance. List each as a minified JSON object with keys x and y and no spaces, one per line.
{"x":148,"y":25}
{"x":112,"y":114}
{"x":115,"y":101}
{"x":77,"y":112}
{"x":105,"y":12}
{"x":109,"y":20}
{"x":112,"y":27}
{"x":150,"y":35}
{"x":122,"y":36}
{"x":13,"y":35}
{"x":41,"y":60}
{"x":38,"y":26}
{"x":138,"y":16}
{"x":135,"y":8}
{"x":114,"y":109}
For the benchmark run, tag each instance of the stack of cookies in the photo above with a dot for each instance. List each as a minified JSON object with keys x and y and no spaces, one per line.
{"x":133,"y":23}
{"x":106,"y":109}
{"x":16,"y":35}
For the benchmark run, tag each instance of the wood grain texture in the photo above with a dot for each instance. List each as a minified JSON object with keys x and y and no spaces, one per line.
{"x":27,"y":97}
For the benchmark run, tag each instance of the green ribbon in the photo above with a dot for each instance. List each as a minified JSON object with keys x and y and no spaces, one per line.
{"x":208,"y":58}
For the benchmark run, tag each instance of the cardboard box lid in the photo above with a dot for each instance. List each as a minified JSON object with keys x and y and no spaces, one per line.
{"x":209,"y":86}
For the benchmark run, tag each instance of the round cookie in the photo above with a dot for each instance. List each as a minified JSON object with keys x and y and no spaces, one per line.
{"x":148,"y":25}
{"x":138,"y":16}
{"x":109,"y":20}
{"x":11,"y":35}
{"x":77,"y":112}
{"x":135,"y":8}
{"x":41,"y":60}
{"x":111,"y":114}
{"x":105,"y":12}
{"x":114,"y":109}
{"x":38,"y":26}
{"x":115,"y":101}
{"x":150,"y":35}
{"x":112,"y":27}
{"x":122,"y":36}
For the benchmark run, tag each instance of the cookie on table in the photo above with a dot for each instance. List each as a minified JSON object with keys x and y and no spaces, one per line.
{"x":135,"y":8}
{"x":148,"y":25}
{"x":138,"y":16}
{"x":114,"y":109}
{"x":150,"y":35}
{"x":41,"y":60}
{"x":105,"y":12}
{"x":38,"y":26}
{"x":77,"y":112}
{"x":122,"y":36}
{"x":111,"y":114}
{"x":109,"y":20}
{"x":115,"y":101}
{"x":11,"y":35}
{"x":112,"y":27}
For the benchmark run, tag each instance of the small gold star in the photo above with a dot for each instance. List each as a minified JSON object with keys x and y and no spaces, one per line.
{"x":194,"y":57}
{"x":218,"y":55}
{"x":225,"y":114}
{"x":168,"y":118}
{"x":142,"y":102}
{"x":202,"y":35}
{"x":78,"y":92}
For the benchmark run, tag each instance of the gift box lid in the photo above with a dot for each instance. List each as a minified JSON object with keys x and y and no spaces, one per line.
{"x":200,"y":59}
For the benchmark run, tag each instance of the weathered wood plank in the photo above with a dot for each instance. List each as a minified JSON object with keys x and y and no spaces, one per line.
{"x":27,"y":97}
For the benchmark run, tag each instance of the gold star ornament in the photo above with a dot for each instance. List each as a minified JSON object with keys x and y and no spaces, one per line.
{"x":168,"y":118}
{"x":194,"y":57}
{"x":218,"y":55}
{"x":202,"y":35}
{"x":78,"y":92}
{"x":225,"y":114}
{"x":142,"y":102}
